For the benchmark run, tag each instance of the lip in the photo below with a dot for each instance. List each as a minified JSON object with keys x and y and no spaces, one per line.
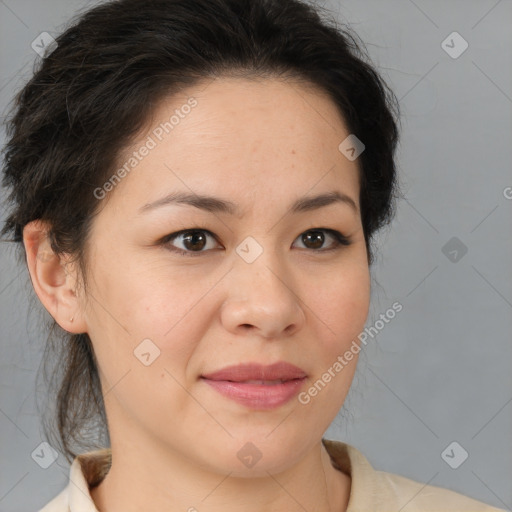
{"x":238,"y":383}
{"x":254,"y":371}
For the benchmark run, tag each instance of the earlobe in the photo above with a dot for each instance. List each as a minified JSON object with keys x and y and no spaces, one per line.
{"x":53,"y":282}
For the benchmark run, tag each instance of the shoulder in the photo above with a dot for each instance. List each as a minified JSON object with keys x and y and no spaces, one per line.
{"x":86,"y":471}
{"x":380,"y":491}
{"x":58,"y":504}
{"x":416,"y":496}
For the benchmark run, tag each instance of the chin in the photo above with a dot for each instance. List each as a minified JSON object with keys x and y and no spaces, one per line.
{"x":258,"y":453}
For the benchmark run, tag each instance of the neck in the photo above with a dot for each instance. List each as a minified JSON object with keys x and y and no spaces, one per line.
{"x":156,"y":479}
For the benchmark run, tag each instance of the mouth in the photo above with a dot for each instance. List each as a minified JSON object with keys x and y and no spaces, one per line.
{"x":257,"y":386}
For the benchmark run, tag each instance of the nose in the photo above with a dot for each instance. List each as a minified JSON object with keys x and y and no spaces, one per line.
{"x":262,"y":299}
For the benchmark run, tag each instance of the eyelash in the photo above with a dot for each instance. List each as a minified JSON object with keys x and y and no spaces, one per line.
{"x":340,"y":240}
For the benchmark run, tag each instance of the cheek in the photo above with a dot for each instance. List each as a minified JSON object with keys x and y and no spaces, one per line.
{"x":340,"y":313}
{"x":340,"y":306}
{"x":144,"y":333}
{"x":148,"y":301}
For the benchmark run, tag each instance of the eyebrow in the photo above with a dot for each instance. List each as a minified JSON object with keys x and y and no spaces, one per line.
{"x":217,"y":205}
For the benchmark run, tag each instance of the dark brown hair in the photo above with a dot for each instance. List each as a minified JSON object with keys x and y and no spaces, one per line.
{"x":93,"y":93}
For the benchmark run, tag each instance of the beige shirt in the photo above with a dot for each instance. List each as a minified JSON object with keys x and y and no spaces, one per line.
{"x":371,"y":490}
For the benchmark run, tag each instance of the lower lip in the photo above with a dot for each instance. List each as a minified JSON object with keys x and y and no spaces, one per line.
{"x":258,"y":396}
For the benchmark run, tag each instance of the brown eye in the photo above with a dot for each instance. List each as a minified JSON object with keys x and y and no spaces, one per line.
{"x":315,"y":238}
{"x":192,"y":241}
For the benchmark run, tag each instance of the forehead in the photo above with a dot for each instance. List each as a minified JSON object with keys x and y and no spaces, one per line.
{"x":242,"y":138}
{"x":255,"y":107}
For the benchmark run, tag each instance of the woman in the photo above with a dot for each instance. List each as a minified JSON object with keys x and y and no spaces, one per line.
{"x":196,"y":185}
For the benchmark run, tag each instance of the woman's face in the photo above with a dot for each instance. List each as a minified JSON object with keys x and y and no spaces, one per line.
{"x":259,"y":283}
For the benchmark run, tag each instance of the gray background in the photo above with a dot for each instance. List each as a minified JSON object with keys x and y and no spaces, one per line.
{"x":441,"y":370}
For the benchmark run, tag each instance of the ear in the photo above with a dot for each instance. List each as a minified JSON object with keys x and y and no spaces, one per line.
{"x":53,"y":277}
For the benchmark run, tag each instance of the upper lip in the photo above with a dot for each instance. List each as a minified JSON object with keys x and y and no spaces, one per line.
{"x":254,"y":371}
